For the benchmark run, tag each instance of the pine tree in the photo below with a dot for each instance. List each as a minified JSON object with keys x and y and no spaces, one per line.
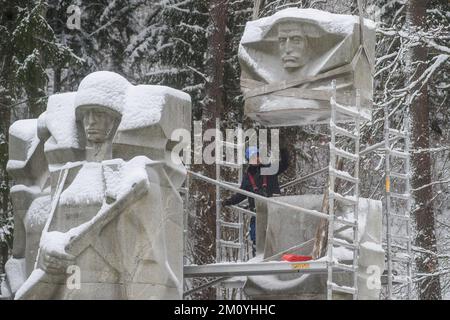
{"x":6,"y":99}
{"x":170,"y":49}
{"x":28,"y":48}
{"x":106,"y":28}
{"x":35,"y":49}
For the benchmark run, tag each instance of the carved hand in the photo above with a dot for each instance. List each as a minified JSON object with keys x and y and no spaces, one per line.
{"x":55,"y":261}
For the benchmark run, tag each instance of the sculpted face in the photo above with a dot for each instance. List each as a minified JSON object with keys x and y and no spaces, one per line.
{"x":97,"y":125}
{"x":292,"y":46}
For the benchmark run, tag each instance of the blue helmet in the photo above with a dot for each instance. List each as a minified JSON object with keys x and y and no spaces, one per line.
{"x":250,"y":152}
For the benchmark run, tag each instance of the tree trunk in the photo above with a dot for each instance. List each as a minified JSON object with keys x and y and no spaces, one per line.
{"x":212,"y":109}
{"x":421,"y":162}
{"x":213,"y":106}
{"x":57,"y":80}
{"x":7,"y":19}
{"x":5,"y":116}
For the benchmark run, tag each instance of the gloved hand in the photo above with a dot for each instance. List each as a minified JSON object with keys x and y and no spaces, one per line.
{"x":264,"y":192}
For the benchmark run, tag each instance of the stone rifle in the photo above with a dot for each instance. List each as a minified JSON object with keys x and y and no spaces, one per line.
{"x":38,"y":281}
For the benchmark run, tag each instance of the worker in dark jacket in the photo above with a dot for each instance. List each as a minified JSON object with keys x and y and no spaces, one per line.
{"x":255,"y":181}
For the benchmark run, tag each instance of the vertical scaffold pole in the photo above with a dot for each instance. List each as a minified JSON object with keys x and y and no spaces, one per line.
{"x":387,"y":199}
{"x":331,"y":198}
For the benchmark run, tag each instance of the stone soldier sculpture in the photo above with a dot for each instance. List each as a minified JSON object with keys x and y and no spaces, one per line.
{"x":115,"y":226}
{"x":30,"y":198}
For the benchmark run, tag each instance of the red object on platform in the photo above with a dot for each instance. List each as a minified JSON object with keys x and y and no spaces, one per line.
{"x":295,"y":258}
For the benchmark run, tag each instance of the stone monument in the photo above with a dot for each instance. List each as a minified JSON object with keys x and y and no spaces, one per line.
{"x":96,"y":204}
{"x":289,"y":59}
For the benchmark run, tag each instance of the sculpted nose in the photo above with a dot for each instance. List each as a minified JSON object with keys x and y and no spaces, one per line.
{"x":288,"y":46}
{"x":90,"y":118}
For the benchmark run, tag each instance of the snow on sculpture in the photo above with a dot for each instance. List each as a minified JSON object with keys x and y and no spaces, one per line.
{"x":30,"y":199}
{"x":289,"y":59}
{"x":95,"y":174}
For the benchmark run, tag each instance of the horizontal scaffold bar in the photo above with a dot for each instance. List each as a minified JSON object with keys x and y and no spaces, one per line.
{"x":248,"y":269}
{"x":239,"y":209}
{"x":369,"y":149}
{"x":259,"y":197}
{"x":300,"y":179}
{"x":378,"y":146}
{"x":274,"y":257}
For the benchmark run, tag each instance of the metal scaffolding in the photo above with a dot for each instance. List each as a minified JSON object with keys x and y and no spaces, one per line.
{"x":398,"y":195}
{"x":329,"y":264}
{"x":225,"y":248}
{"x":398,"y":246}
{"x":337,"y":151}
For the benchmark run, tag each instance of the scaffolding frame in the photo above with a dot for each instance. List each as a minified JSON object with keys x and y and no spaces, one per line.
{"x":334,"y":196}
{"x":328,"y":266}
{"x":224,"y":245}
{"x":402,"y":215}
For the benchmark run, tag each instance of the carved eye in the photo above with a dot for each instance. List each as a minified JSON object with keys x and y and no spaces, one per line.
{"x":282,"y":40}
{"x":100,"y":114}
{"x":297,"y":40}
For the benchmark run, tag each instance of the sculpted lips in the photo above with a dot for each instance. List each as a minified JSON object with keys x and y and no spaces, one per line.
{"x":290,"y":59}
{"x":93,"y":131}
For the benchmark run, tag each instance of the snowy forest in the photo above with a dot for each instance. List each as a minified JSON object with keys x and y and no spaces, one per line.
{"x":47,"y":47}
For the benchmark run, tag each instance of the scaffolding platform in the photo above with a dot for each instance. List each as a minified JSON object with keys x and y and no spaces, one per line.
{"x":257,"y":268}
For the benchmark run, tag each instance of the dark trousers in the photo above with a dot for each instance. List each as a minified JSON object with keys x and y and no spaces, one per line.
{"x":253,"y":234}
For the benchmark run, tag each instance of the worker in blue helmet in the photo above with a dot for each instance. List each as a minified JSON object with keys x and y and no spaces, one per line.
{"x":257,"y":182}
{"x":251,"y":153}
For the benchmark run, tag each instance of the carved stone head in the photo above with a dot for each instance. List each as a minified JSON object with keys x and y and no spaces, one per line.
{"x":99,"y":104}
{"x":289,"y":59}
{"x":292,"y":45}
{"x":99,"y":124}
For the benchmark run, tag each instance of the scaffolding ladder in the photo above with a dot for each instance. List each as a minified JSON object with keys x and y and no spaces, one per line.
{"x":184,"y":193}
{"x":398,"y":243}
{"x":224,"y":246}
{"x":338,"y":135}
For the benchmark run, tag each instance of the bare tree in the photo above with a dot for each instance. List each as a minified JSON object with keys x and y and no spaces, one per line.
{"x":416,"y":63}
{"x":212,"y":108}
